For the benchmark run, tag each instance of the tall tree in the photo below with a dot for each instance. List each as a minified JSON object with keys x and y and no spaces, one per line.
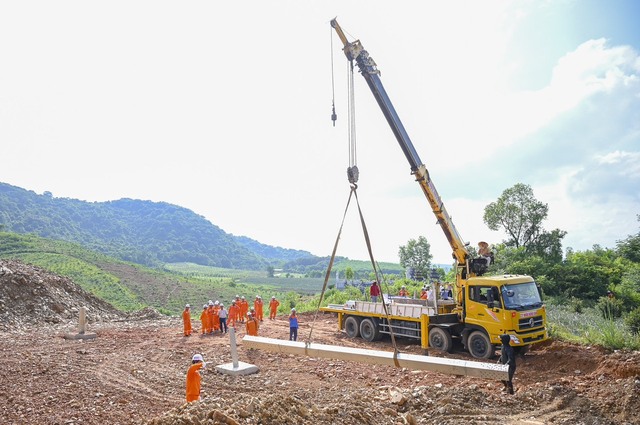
{"x":518,"y":213}
{"x":417,"y":255}
{"x":629,"y":248}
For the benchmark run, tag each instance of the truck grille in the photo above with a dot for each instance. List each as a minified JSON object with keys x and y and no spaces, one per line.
{"x":530,"y":322}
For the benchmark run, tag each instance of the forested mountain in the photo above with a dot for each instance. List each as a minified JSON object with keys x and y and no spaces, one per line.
{"x":139,"y":231}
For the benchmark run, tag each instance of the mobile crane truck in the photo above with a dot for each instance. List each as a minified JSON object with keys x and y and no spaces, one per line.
{"x":484,"y":307}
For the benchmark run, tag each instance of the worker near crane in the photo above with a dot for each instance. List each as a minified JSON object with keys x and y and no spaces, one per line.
{"x":293,"y":325}
{"x":403,"y":292}
{"x":186,"y":320}
{"x":508,"y":357}
{"x":374,"y":291}
{"x":258,"y":305}
{"x":424,"y":294}
{"x":252,"y":324}
{"x":193,"y":378}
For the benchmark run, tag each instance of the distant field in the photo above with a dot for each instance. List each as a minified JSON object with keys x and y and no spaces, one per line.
{"x":257,"y":279}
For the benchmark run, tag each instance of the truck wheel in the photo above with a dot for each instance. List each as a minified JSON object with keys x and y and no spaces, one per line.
{"x":440,"y":339}
{"x":369,"y":330}
{"x":480,"y":346}
{"x":352,"y":327}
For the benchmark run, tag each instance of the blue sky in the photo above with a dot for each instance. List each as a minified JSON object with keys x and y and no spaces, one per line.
{"x":224,"y":109}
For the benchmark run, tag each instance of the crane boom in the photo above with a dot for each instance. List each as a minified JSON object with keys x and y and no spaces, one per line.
{"x":369,"y":70}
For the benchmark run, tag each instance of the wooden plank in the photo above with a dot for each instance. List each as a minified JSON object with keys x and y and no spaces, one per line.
{"x":409,"y":361}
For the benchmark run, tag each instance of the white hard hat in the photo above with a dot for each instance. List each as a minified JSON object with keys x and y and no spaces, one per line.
{"x":210,"y":302}
{"x":197,"y":357}
{"x":221,"y":305}
{"x":243,"y":297}
{"x":187,"y":306}
{"x":204,"y":306}
{"x":273,"y":298}
{"x":237,"y":296}
{"x":217,"y":302}
{"x":257,"y":296}
{"x":293,"y":309}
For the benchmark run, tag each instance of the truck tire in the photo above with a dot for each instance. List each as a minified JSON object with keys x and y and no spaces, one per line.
{"x":440,"y":339}
{"x":480,"y":346}
{"x":369,"y":330}
{"x":352,"y":327}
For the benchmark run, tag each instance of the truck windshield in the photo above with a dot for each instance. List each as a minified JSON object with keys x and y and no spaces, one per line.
{"x":521,"y":296}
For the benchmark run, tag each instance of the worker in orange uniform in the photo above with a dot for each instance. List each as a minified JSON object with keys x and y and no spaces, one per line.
{"x":237,"y":318}
{"x":233,"y":314}
{"x":403,"y":292}
{"x":210,"y":313}
{"x":258,"y":305}
{"x":186,"y":320}
{"x":424,"y":294}
{"x":244,"y":308}
{"x":273,"y":308}
{"x":193,"y":378}
{"x":204,"y":318}
{"x":215,"y":325}
{"x":252,"y":325}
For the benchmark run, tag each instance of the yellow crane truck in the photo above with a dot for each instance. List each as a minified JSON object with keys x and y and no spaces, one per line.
{"x":483,"y":307}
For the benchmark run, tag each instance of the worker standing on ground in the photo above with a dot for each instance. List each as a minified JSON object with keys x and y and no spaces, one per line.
{"x":186,"y":320}
{"x":508,"y":357}
{"x":222,"y":315}
{"x":244,"y":308}
{"x":234,"y":311}
{"x":252,"y":325}
{"x":193,"y":378}
{"x":258,"y":305}
{"x":273,"y":308}
{"x":403,"y":292}
{"x":293,"y":325}
{"x":215,"y":318}
{"x":204,"y":319}
{"x":374,"y":291}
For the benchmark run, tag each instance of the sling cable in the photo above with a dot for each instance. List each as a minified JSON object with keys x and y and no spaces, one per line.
{"x":352,"y":176}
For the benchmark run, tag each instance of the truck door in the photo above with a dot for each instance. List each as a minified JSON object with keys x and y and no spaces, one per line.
{"x":478,"y":307}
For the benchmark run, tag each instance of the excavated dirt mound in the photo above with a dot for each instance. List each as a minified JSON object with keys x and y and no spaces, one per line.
{"x":134,"y":372}
{"x":32,"y":296}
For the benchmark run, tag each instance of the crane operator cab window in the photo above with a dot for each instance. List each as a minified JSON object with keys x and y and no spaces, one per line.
{"x":488,"y":295}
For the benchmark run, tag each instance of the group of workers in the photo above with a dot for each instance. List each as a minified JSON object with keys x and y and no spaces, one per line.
{"x":425,"y":294}
{"x":251,"y":318}
{"x":216,"y":319}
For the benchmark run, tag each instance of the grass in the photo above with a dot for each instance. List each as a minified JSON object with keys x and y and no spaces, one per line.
{"x":589,"y":327}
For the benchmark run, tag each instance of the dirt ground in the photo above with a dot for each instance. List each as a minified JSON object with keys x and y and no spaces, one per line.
{"x":134,"y":372}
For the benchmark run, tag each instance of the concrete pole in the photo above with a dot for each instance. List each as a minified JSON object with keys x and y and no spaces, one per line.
{"x":234,"y":347}
{"x":83,"y":320}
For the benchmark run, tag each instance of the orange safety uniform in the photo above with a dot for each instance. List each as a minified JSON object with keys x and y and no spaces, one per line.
{"x":215,"y":319}
{"x":193,"y":382}
{"x":403,"y":293}
{"x":258,"y":305}
{"x":273,"y":308}
{"x":244,"y":308}
{"x":234,"y":311}
{"x":204,"y":318}
{"x":252,"y":326}
{"x":424,"y":294}
{"x":186,"y":320}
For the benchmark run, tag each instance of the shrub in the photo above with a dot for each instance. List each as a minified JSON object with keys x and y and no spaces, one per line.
{"x":609,"y":308}
{"x":633,"y":321}
{"x":576,"y":305}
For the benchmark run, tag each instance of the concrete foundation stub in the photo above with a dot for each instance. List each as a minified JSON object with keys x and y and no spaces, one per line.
{"x":236,"y":367}
{"x":82,"y":327}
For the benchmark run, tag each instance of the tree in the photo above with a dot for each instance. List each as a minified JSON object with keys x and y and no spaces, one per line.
{"x":518,"y":213}
{"x":629,"y":248}
{"x":349,"y":274}
{"x":270,"y":271}
{"x":417,"y":255}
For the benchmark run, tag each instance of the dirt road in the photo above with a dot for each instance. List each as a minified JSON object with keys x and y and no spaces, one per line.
{"x":134,"y":372}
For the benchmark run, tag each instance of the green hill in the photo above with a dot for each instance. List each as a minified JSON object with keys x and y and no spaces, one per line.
{"x":143,"y":232}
